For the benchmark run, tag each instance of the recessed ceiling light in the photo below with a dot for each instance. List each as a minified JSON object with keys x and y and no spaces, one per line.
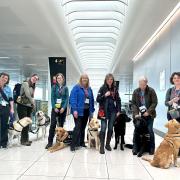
{"x":4,"y":57}
{"x":31,"y":64}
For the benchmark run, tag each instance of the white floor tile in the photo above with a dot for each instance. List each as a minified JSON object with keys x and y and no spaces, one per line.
{"x":87,"y":170}
{"x":73,"y":178}
{"x":9,"y":177}
{"x":89,"y":156}
{"x":134,"y":171}
{"x":14,"y":167}
{"x":48,"y":169}
{"x":40,"y":178}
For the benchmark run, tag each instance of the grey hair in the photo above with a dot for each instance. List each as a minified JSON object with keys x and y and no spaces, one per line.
{"x":143,"y":78}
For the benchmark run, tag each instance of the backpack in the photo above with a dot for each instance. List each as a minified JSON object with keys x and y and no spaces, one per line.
{"x":16,"y":92}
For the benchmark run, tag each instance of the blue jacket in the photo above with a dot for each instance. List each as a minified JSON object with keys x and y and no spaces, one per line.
{"x":77,"y":100}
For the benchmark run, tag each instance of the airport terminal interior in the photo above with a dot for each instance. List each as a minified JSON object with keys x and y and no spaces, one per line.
{"x":133,"y":40}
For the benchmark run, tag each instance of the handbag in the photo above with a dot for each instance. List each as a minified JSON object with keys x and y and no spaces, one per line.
{"x":101,"y":113}
{"x":175,"y":113}
{"x":23,"y":100}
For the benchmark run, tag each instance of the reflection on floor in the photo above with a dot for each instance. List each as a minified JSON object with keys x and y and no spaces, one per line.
{"x":35,"y":163}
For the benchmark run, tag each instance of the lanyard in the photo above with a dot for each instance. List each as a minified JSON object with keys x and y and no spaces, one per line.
{"x":60,"y":89}
{"x":86,"y":92}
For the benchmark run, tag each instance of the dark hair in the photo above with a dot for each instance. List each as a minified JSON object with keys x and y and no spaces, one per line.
{"x":107,"y":77}
{"x":5,"y":74}
{"x":172,"y":76}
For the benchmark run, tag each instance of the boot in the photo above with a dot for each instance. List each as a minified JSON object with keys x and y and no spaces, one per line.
{"x":102,"y":138}
{"x":108,"y":139}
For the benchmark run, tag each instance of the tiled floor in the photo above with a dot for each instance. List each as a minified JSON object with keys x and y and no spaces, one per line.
{"x":35,"y":163}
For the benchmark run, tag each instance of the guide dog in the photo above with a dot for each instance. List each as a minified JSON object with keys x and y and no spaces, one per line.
{"x":120,"y":129}
{"x":42,"y":122}
{"x":63,"y":139}
{"x":17,"y":129}
{"x":141,"y":137}
{"x":93,"y":134}
{"x":167,"y":152}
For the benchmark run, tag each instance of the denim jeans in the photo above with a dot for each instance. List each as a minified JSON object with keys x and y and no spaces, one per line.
{"x":109,"y":120}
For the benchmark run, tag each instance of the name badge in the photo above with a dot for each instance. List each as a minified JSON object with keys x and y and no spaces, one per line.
{"x":142,"y":108}
{"x":87,"y":101}
{"x":59,"y":101}
{"x":3,"y":103}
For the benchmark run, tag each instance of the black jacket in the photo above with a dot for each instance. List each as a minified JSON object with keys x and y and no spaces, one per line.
{"x":103,"y":101}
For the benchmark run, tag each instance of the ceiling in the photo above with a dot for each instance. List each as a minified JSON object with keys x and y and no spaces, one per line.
{"x":96,"y":36}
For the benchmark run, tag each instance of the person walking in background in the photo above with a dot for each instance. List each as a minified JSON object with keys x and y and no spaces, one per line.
{"x":110,"y":104}
{"x":26,"y":105}
{"x":59,"y":101}
{"x":172,"y":100}
{"x":144,"y":97}
{"x":6,"y":108}
{"x":82,"y":107}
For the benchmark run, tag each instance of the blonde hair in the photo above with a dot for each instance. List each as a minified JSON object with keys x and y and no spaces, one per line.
{"x":81,"y":77}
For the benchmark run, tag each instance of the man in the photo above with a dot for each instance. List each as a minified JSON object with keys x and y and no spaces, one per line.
{"x":145,"y":98}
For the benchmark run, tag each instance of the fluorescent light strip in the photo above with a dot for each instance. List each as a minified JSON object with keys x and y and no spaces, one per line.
{"x":153,"y":37}
{"x":4,"y":57}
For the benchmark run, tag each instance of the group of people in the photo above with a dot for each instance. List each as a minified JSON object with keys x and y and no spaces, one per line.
{"x":81,"y":102}
{"x":23,"y":109}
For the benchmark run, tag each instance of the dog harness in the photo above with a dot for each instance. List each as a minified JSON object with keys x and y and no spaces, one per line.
{"x":91,"y":129}
{"x":16,"y":129}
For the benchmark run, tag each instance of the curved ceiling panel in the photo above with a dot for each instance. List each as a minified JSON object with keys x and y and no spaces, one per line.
{"x":96,"y":26}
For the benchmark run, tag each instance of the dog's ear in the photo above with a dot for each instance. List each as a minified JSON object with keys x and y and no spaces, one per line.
{"x":167,"y":125}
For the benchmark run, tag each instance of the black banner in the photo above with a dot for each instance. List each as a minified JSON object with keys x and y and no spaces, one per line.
{"x":117,"y":84}
{"x":57,"y":65}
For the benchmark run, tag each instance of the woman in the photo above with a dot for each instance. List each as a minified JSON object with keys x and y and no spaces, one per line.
{"x":59,"y":101}
{"x":82,"y":106}
{"x":173,"y":94}
{"x":25,"y":108}
{"x":6,"y":107}
{"x":109,"y":100}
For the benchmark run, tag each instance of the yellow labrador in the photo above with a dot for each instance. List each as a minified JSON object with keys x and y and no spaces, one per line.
{"x":93,"y":133}
{"x":17,"y":129}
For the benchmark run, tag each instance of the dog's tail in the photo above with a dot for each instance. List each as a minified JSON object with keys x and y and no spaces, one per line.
{"x":129,"y":146}
{"x":147,"y":159}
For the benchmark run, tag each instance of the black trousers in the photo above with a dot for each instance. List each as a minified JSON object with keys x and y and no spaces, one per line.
{"x":79,"y":129}
{"x":4,"y":117}
{"x":56,"y":118}
{"x":24,"y":111}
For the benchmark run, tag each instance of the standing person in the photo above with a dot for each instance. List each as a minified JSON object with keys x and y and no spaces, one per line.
{"x":82,"y":106}
{"x":6,"y":107}
{"x":109,"y":100}
{"x":173,"y":94}
{"x":25,"y":108}
{"x":145,"y":97}
{"x":59,"y":101}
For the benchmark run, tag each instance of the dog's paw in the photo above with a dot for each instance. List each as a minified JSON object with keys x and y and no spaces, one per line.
{"x":177,"y":165}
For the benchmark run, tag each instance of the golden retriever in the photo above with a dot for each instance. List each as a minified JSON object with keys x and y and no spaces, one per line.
{"x":61,"y":136}
{"x":167,"y":152}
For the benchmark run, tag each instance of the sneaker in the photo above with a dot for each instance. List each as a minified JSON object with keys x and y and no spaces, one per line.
{"x":72,"y":149}
{"x":26,"y":144}
{"x":4,"y":146}
{"x":48,"y":146}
